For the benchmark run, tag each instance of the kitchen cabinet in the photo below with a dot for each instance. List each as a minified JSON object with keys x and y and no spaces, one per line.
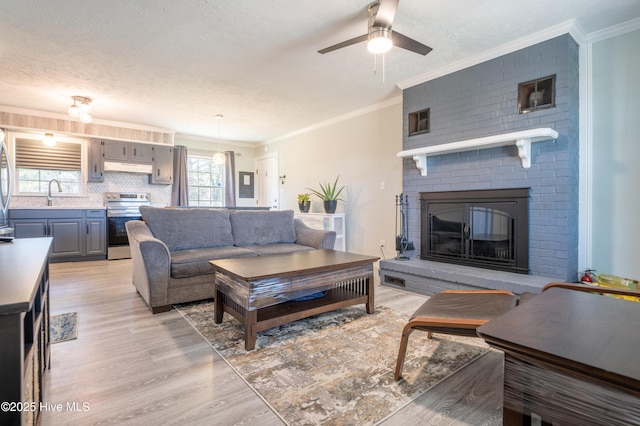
{"x":24,"y":327}
{"x":96,"y":233}
{"x":327,"y":222}
{"x":77,"y":234}
{"x":125,"y":152}
{"x":162,"y":165}
{"x":96,"y":162}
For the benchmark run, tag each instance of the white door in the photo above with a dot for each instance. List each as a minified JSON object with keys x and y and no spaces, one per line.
{"x":267,"y":181}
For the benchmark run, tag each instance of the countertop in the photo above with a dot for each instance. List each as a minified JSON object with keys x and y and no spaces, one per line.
{"x":59,"y":208}
{"x":22,"y":263}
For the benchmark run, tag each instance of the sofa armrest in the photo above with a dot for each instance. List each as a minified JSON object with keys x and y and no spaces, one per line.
{"x":316,"y":238}
{"x":151,"y":264}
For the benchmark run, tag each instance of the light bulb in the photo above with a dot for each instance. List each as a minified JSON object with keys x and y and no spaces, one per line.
{"x":85,"y":118}
{"x":49,"y":139}
{"x":218,"y":158}
{"x":379,"y":41}
{"x":85,"y":106}
{"x":74,"y":111}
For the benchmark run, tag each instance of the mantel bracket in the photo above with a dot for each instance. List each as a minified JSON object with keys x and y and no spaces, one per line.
{"x":421,"y":163}
{"x":524,"y":152}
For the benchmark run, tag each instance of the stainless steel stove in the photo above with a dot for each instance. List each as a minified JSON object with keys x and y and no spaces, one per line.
{"x":121,"y":208}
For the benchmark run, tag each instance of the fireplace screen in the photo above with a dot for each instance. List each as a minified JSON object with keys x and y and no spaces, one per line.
{"x":477,"y":228}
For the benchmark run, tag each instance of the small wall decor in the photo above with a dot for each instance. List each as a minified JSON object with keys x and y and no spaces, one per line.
{"x":245,"y":187}
{"x":537,"y":94}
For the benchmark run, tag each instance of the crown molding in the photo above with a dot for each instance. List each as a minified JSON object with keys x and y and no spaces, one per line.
{"x":616,"y":30}
{"x":571,"y":27}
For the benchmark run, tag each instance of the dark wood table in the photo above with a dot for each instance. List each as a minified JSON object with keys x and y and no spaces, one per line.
{"x":258,"y":291}
{"x":570,"y":358}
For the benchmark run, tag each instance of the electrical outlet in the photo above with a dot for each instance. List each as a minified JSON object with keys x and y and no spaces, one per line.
{"x":382,"y":243}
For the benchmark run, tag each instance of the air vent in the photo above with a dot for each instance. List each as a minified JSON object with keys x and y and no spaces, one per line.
{"x":394,"y":280}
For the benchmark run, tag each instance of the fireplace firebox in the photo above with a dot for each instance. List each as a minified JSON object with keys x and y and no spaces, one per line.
{"x":483,"y":228}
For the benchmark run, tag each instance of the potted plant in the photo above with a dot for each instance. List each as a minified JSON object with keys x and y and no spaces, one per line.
{"x":304,"y":202}
{"x":329,"y":194}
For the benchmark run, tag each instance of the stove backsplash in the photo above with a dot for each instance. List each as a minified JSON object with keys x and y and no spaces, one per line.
{"x":113,"y":182}
{"x":483,"y":100}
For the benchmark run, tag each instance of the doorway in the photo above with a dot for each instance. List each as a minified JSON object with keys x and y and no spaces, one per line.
{"x":268,"y":192}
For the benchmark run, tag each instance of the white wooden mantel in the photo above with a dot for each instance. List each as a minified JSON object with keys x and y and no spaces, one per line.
{"x":522,"y":140}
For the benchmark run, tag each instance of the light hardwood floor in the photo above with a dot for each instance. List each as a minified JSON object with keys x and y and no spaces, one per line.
{"x":128,"y":366}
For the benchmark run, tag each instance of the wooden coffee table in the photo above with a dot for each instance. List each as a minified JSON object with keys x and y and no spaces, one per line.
{"x":258,"y":290}
{"x":569,"y":358}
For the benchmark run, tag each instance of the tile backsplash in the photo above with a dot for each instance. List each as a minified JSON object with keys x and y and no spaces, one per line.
{"x":113,"y":182}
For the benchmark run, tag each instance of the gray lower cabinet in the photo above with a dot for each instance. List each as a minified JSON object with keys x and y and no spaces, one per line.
{"x":77,"y":234}
{"x":96,"y":233}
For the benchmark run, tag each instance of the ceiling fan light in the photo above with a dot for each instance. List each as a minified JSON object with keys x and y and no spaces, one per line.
{"x":379,"y":41}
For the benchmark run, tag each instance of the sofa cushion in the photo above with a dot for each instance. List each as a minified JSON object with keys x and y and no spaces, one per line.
{"x":192,"y":262}
{"x":262,"y":227}
{"x":280,"y":248}
{"x":184,"y":228}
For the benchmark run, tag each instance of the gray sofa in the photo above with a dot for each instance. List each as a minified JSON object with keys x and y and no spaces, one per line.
{"x":171,"y":247}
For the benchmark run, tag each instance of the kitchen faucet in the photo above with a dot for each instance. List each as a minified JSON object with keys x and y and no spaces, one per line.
{"x":49,"y":199}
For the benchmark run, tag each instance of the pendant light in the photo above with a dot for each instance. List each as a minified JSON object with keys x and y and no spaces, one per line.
{"x":218,"y":157}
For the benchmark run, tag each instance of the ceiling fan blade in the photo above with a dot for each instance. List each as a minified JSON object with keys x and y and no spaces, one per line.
{"x":386,"y":13}
{"x":409,"y":43}
{"x":344,"y":44}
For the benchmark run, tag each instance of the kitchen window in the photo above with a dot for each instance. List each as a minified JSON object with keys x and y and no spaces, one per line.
{"x":36,"y":164}
{"x":206,"y":181}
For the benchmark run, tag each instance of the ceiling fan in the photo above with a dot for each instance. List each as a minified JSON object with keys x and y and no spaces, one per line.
{"x":380,"y":37}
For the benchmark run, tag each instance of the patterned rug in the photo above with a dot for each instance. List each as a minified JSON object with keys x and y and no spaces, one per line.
{"x":335,"y":368}
{"x":63,"y":327}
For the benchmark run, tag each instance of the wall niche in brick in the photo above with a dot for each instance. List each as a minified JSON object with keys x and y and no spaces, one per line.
{"x":419,"y":122}
{"x":537,"y":94}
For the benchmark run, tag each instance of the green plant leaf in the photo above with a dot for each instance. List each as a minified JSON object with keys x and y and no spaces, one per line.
{"x":327,"y":191}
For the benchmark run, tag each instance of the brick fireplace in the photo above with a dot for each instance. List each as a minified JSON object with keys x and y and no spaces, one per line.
{"x":479,"y":103}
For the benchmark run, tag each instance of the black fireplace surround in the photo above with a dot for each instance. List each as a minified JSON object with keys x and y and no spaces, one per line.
{"x":482,"y":228}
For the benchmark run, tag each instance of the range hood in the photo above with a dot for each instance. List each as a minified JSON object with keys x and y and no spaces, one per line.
{"x":110,"y":166}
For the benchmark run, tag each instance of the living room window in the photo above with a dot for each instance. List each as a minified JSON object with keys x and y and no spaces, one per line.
{"x":36,"y":164}
{"x":206,"y":181}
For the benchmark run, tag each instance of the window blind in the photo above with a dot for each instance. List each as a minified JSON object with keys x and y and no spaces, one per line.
{"x":33,"y":154}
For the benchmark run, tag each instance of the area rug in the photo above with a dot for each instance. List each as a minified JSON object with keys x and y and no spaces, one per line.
{"x":63,"y":327}
{"x":335,"y":368}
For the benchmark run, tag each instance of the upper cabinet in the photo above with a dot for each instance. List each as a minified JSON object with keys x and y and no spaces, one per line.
{"x":141,"y":153}
{"x":128,"y":152}
{"x":159,"y":159}
{"x":96,"y":164}
{"x":162,"y":165}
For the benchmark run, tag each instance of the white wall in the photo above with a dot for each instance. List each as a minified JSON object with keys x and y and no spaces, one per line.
{"x":244,"y":157}
{"x":362,"y":151}
{"x":616,"y":155}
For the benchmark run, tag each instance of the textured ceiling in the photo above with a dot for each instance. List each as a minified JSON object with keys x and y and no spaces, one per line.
{"x":176,"y":64}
